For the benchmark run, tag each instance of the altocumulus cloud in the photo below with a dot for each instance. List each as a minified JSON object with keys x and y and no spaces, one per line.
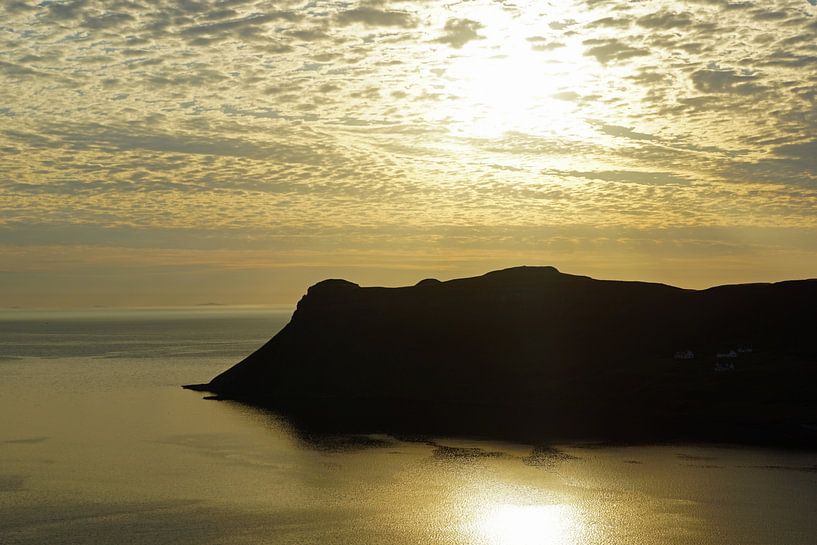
{"x":358,"y":121}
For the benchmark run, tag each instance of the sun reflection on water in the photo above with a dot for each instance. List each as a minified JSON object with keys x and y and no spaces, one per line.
{"x":508,"y":524}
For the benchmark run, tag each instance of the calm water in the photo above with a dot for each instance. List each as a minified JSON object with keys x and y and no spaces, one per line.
{"x":98,"y":444}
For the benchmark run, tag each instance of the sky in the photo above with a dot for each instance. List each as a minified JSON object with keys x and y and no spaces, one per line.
{"x":236,"y":151}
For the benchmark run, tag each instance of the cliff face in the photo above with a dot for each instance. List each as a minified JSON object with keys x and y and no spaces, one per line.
{"x":577,"y":354}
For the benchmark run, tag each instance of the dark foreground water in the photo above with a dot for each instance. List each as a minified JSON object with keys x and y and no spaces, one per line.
{"x":98,"y":444}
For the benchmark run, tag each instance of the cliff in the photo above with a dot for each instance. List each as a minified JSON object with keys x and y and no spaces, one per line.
{"x":532,"y":353}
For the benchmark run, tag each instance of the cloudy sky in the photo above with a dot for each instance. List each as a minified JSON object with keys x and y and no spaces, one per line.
{"x":235,"y":151}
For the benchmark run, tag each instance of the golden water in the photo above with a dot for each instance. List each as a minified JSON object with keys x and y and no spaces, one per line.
{"x":98,"y":444}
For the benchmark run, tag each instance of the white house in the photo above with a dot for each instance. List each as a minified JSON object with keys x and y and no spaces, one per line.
{"x":730,"y":354}
{"x":722,"y":366}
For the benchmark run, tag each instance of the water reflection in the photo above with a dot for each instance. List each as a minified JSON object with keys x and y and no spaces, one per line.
{"x":91,"y":451}
{"x":509,"y":524}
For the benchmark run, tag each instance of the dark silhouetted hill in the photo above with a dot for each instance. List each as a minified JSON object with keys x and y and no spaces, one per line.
{"x":531,"y":353}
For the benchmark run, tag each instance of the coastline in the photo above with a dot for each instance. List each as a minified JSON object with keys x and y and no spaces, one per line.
{"x":522,"y":425}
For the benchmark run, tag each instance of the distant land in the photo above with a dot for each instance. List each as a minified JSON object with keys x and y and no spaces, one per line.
{"x":533,"y":354}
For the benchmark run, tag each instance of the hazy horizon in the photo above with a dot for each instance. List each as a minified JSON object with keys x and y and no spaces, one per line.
{"x":289,"y":305}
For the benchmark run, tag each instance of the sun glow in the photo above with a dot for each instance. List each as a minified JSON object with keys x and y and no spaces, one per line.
{"x":503,"y":84}
{"x":500,"y":94}
{"x":505,"y":524}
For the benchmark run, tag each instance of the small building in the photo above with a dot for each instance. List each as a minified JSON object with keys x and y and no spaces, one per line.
{"x":724,"y":366}
{"x":727,"y":355}
{"x":684,"y":355}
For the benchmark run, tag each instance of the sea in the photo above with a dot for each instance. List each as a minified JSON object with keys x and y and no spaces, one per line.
{"x":99,"y":444}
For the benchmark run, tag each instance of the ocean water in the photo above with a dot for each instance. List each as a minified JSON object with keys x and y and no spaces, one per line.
{"x":99,"y":444}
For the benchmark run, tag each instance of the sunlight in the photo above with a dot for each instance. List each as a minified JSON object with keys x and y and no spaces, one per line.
{"x":502,"y":84}
{"x":529,"y":525}
{"x":501,"y":93}
{"x":514,"y":89}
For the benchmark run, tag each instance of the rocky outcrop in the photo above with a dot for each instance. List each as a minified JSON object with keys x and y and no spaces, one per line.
{"x":530,"y":351}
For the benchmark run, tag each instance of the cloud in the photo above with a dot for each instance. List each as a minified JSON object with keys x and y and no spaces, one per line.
{"x":246,"y":27}
{"x":540,"y":43}
{"x":18,"y":6}
{"x":607,"y":50}
{"x":458,"y":32}
{"x":610,"y":22}
{"x":624,"y":176}
{"x":16,"y":70}
{"x":623,"y":132}
{"x":726,"y":80}
{"x":374,"y":17}
{"x":347,"y":122}
{"x":121,"y":138}
{"x":106,"y":20}
{"x":802,"y":154}
{"x":66,"y":10}
{"x":567,"y":95}
{"x":665,"y":20}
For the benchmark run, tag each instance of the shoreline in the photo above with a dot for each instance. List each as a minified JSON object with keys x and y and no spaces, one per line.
{"x":517,"y":424}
